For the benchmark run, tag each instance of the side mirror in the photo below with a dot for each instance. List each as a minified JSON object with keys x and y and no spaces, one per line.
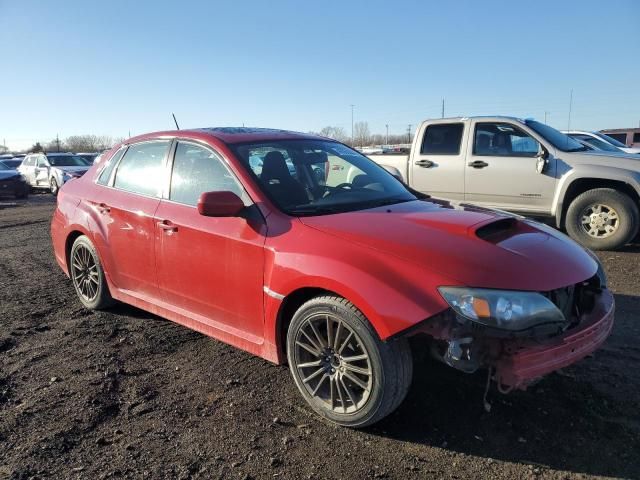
{"x":220,"y":204}
{"x":542,"y":160}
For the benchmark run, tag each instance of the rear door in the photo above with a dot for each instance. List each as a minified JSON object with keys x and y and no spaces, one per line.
{"x":211,"y":268}
{"x":501,"y":169}
{"x":125,"y":206}
{"x":437,"y":161}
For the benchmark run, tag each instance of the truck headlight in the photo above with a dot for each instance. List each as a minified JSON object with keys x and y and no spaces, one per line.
{"x":504,"y":309}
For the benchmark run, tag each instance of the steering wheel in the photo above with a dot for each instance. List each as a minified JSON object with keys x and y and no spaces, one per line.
{"x":344,"y":186}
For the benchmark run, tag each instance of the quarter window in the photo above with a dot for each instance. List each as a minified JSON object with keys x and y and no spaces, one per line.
{"x":105,"y":175}
{"x":197,"y":170}
{"x":503,"y":140}
{"x":442,"y":139}
{"x":141,"y":169}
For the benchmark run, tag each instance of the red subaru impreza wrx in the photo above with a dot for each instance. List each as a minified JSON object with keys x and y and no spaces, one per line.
{"x":299,"y":249}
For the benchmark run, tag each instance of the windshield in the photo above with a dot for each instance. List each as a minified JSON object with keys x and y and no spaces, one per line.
{"x":317,"y":177}
{"x":597,"y":143}
{"x":12,"y":164}
{"x":554,"y":137}
{"x":610,"y":140}
{"x":67,"y":161}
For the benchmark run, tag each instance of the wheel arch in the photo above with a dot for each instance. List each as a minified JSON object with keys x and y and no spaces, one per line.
{"x":68,"y":243}
{"x":584,"y":184}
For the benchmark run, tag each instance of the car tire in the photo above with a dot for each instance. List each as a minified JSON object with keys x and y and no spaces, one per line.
{"x":53,"y":186}
{"x":344,"y":371}
{"x":602,"y":219}
{"x":88,"y":275}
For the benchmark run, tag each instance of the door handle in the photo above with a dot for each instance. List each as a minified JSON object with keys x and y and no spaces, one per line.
{"x":424,"y":163}
{"x":103,"y":208}
{"x":478,"y":164}
{"x":167,"y":226}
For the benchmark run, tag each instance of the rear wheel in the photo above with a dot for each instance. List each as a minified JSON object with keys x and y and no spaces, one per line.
{"x":602,"y":219}
{"x":88,"y":276}
{"x":345,"y":373}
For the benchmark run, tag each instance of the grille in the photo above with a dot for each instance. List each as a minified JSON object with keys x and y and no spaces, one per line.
{"x":575,"y":300}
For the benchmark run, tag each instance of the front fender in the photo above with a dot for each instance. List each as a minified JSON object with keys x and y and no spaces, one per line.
{"x":392,"y":293}
{"x":591,"y":172}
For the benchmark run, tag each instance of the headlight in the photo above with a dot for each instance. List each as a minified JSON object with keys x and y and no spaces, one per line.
{"x":504,"y":309}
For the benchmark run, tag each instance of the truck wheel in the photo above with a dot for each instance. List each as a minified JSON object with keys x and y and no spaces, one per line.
{"x":602,"y":219}
{"x":343,"y":371}
{"x":87,"y":275}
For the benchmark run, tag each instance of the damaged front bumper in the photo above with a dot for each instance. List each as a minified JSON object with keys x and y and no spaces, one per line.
{"x":522,"y":363}
{"x":518,"y":360}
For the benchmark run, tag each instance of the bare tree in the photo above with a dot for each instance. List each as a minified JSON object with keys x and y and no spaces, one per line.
{"x":361,"y":134}
{"x":337,"y":133}
{"x":88,"y":143}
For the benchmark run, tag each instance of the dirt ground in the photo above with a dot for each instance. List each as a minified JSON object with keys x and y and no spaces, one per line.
{"x":125,"y":394}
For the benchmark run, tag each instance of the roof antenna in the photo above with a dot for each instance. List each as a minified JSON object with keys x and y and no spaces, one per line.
{"x":175,"y":121}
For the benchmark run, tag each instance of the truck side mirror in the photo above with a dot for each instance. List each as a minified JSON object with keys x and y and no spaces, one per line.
{"x":542,"y":159}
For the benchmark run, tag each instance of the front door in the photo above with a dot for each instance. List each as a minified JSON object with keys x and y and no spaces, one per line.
{"x":500,"y":169}
{"x":210,"y":268}
{"x":437,"y":166}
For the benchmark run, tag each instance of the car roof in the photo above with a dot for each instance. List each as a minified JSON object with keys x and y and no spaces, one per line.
{"x":230,"y":135}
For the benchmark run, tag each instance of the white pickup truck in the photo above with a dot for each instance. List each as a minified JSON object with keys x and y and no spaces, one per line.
{"x":527,"y":167}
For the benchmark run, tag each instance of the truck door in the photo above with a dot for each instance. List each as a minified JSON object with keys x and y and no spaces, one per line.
{"x":437,"y":159}
{"x":500,"y":169}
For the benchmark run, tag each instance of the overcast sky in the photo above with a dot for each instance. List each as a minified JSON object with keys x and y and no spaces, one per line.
{"x":114,"y":67}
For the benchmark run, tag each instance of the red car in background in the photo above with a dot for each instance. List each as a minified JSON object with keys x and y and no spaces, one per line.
{"x":299,"y":249}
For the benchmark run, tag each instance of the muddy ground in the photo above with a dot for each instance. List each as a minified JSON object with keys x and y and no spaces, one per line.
{"x":125,"y":394}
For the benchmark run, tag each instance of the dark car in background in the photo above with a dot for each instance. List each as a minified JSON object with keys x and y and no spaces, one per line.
{"x":89,"y":157}
{"x":12,"y":183}
{"x":11,"y":163}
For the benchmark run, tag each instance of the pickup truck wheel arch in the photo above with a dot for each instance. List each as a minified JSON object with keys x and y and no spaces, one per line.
{"x":581,"y":185}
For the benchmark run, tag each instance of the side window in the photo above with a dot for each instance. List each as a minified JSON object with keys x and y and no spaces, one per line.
{"x":105,"y":175}
{"x":28,"y":161}
{"x":442,"y":139}
{"x":42,"y":161}
{"x":141,"y":169}
{"x":636,"y":137}
{"x":197,"y":170}
{"x":503,"y":140}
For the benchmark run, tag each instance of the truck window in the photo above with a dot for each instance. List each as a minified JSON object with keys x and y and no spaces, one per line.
{"x":503,"y":140}
{"x":442,"y":139}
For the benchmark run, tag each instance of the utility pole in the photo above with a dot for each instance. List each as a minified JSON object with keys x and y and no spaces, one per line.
{"x":409,"y":133}
{"x":58,"y":143}
{"x":570,"y":107}
{"x":443,"y":108}
{"x":545,"y":116}
{"x":352,"y":139}
{"x":386,"y":140}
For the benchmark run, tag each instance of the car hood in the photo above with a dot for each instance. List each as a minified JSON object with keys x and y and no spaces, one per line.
{"x":628,"y":161}
{"x":5,"y":174}
{"x":477,"y":247}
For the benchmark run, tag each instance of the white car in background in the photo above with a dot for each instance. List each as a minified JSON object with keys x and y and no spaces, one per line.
{"x":50,"y":171}
{"x":600,"y":140}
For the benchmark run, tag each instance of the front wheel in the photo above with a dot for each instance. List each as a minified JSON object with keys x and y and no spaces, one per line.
{"x":53,"y":186}
{"x":343,"y":371}
{"x":602,"y":219}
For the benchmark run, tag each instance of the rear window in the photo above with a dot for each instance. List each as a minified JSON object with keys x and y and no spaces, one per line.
{"x":105,"y":175}
{"x":442,"y":139}
{"x":141,"y":169}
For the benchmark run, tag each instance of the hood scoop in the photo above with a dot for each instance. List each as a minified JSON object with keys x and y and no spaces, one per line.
{"x":498,"y":230}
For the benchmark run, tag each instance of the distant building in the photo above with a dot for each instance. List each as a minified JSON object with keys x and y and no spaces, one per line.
{"x":629,"y":136}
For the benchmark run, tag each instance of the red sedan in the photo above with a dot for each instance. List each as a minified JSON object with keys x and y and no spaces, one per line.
{"x":299,"y":249}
